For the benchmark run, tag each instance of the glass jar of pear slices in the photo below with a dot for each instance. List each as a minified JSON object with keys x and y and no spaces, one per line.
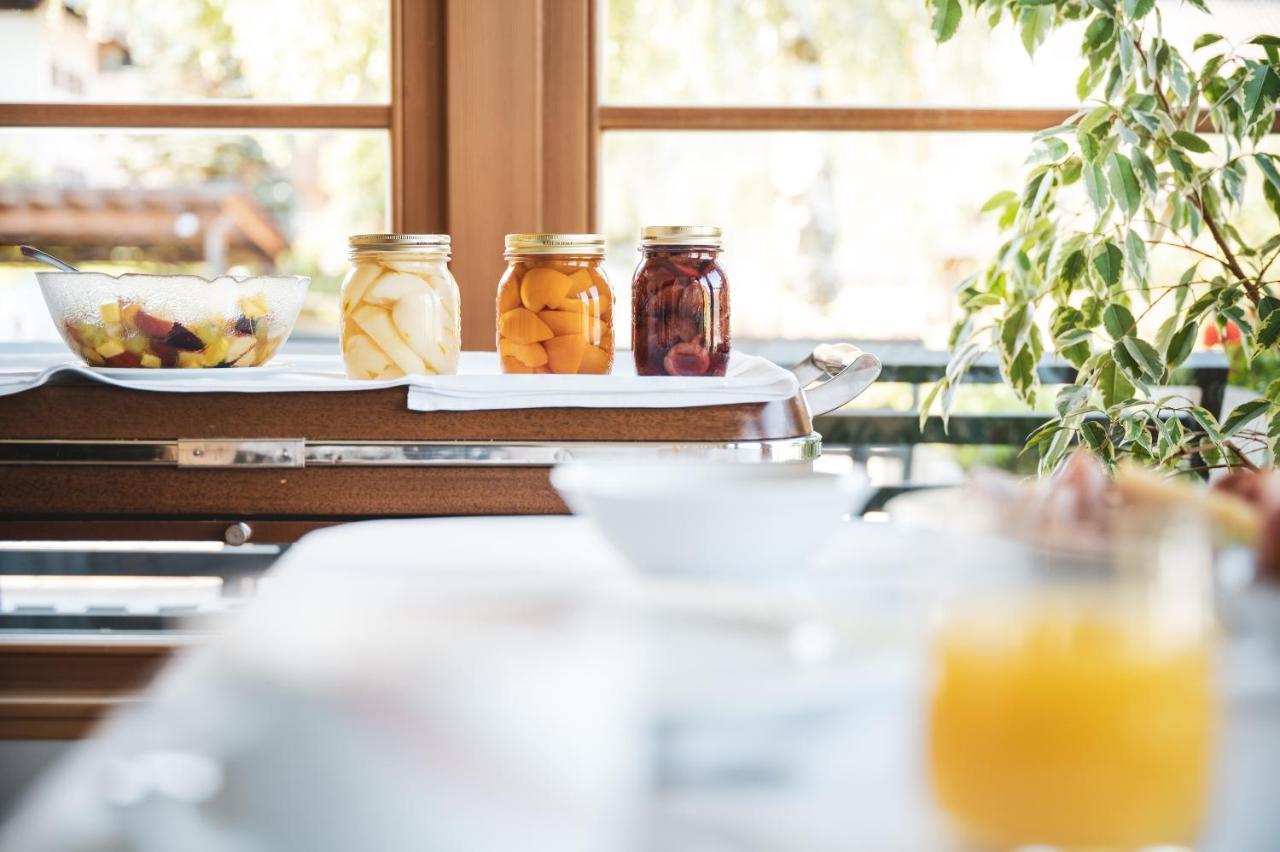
{"x":400,"y":307}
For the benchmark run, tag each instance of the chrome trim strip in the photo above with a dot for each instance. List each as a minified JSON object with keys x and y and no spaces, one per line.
{"x":296,"y":453}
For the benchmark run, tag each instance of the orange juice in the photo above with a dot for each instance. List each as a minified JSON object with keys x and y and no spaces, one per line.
{"x":1052,"y":726}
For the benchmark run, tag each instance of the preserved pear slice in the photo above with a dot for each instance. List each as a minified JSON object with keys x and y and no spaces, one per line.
{"x":361,"y":280}
{"x":365,"y":360}
{"x":376,"y":323}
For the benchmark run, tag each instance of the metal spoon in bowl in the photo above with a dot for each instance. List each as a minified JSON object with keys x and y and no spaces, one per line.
{"x":46,"y":258}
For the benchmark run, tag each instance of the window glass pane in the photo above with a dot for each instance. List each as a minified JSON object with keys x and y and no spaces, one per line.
{"x":137,"y":50}
{"x":870,"y":52}
{"x":826,"y":234}
{"x":831,"y":235}
{"x":197,"y":202}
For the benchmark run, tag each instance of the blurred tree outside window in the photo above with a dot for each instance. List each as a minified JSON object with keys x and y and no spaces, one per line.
{"x":201,"y":201}
{"x":834,"y":234}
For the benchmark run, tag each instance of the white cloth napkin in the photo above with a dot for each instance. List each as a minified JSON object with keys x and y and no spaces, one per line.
{"x":479,"y":386}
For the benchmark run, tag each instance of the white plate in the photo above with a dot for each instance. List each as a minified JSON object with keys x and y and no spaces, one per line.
{"x":169,"y":374}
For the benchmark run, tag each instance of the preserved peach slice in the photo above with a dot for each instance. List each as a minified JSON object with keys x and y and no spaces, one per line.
{"x":564,"y":322}
{"x":376,"y":323}
{"x":509,"y":296}
{"x":514,"y":365}
{"x":529,"y":354}
{"x":594,"y":360}
{"x":541,"y":287}
{"x":580,"y":282}
{"x":523,"y":326}
{"x":564,"y":353}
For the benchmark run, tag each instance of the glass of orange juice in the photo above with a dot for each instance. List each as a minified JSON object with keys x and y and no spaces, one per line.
{"x":1073,"y":705}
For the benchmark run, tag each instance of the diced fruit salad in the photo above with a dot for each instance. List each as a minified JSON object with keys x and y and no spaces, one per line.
{"x":126,"y":335}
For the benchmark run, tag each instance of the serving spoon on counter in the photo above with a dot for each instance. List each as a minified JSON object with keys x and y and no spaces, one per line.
{"x":46,"y":258}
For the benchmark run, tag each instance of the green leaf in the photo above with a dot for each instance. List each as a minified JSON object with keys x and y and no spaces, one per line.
{"x":1261,"y":81}
{"x":1266,"y":40}
{"x":1000,"y":199}
{"x":946,"y":18}
{"x":1099,"y":32}
{"x":1135,"y":255}
{"x":1145,"y":356}
{"x":1268,"y":168}
{"x":1073,"y":266}
{"x":927,"y":405}
{"x":1124,"y":184}
{"x":1050,"y":150}
{"x":1191,"y":142}
{"x":1181,"y":344}
{"x":1114,"y":386}
{"x":1273,"y":391}
{"x":1269,"y":330}
{"x":1242,"y":414}
{"x":1207,"y":422}
{"x":1109,"y":261}
{"x":1138,"y":8}
{"x":1095,"y":184}
{"x":1034,"y":23}
{"x":1094,"y":434}
{"x":1145,"y":169}
{"x":1071,"y":399}
{"x":1181,"y":165}
{"x":1118,"y":320}
{"x":1206,"y":40}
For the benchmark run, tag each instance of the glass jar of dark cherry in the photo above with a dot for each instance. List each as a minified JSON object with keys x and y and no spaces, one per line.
{"x":680,"y":303}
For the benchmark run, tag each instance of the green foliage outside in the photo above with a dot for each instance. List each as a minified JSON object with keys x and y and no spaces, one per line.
{"x":1157,"y":159}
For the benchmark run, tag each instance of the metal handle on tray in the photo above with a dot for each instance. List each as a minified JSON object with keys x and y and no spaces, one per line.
{"x":848,"y":370}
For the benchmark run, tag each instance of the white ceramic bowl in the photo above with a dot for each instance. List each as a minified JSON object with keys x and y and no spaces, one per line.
{"x":136,"y":320}
{"x":711,"y":517}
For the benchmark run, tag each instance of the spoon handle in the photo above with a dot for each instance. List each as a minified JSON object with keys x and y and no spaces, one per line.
{"x":46,"y":258}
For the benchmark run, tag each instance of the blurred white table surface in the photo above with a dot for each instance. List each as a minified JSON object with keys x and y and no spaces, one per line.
{"x":509,"y":683}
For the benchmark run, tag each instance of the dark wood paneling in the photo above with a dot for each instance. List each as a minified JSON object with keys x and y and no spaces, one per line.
{"x":92,"y":411}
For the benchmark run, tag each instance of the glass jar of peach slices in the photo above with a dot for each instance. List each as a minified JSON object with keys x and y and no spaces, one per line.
{"x":680,"y":303}
{"x":400,"y":307}
{"x":555,"y":306}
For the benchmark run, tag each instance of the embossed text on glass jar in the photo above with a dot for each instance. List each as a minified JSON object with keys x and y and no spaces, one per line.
{"x":400,"y":307}
{"x":680,"y":303}
{"x":555,"y":306}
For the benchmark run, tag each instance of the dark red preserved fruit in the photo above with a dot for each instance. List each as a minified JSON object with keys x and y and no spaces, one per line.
{"x":680,"y":312}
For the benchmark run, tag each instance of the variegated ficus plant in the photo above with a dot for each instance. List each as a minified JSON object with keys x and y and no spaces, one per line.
{"x":1129,"y":235}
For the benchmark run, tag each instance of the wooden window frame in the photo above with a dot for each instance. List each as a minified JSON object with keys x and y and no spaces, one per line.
{"x":495,"y":121}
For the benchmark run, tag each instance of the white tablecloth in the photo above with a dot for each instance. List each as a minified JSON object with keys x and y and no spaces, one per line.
{"x":509,"y":684}
{"x":478,"y":386}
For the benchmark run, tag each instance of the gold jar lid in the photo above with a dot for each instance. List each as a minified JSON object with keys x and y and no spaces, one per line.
{"x":575,"y":244}
{"x":680,"y":235}
{"x":431,"y":244}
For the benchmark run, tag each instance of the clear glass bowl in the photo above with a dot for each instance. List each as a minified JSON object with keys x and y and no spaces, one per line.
{"x":172,"y":320}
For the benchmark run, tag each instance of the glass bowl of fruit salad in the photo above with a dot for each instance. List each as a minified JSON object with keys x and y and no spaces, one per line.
{"x":183,"y":321}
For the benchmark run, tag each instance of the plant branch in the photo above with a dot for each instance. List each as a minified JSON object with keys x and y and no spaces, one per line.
{"x":1198,"y":200}
{"x":1250,"y":286}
